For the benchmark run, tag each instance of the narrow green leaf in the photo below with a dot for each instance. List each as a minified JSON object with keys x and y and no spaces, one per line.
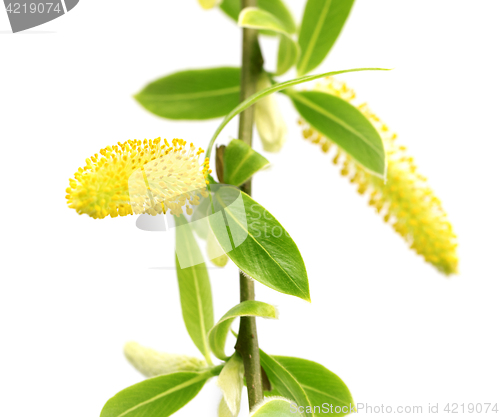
{"x":230,"y":382}
{"x":156,"y":397}
{"x":193,"y":94}
{"x":218,"y":333}
{"x":199,"y":222}
{"x":320,"y":384}
{"x":307,"y":383}
{"x":241,"y":162}
{"x":261,"y":247}
{"x":275,"y":7}
{"x":285,"y":383}
{"x":273,"y":89}
{"x":274,"y":407}
{"x":232,"y":8}
{"x":255,"y":18}
{"x":288,"y":54}
{"x":321,"y":25}
{"x":194,"y":288}
{"x":345,"y":125}
{"x":279,"y":9}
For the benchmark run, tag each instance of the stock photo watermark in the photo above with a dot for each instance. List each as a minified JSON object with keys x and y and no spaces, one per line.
{"x":29,"y":14}
{"x":366,"y":408}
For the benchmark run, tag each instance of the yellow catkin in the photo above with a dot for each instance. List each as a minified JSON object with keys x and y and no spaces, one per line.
{"x":138,"y":177}
{"x":405,"y":201}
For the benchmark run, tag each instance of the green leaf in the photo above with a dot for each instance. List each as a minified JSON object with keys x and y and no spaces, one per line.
{"x":230,"y":381}
{"x":199,"y":222}
{"x":320,"y":384}
{"x":193,"y":94}
{"x":232,"y":8}
{"x":241,"y":162}
{"x":275,"y":7}
{"x":254,"y":18}
{"x":274,"y":407}
{"x":260,"y":247}
{"x":307,"y":383}
{"x":218,"y":333}
{"x":321,"y":25}
{"x":288,"y":54}
{"x":273,"y":89}
{"x":284,"y":382}
{"x":343,"y":124}
{"x":156,"y":397}
{"x":194,"y":288}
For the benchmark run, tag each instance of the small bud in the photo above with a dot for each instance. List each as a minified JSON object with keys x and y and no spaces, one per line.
{"x":230,"y":382}
{"x":270,"y":124}
{"x":151,"y":363}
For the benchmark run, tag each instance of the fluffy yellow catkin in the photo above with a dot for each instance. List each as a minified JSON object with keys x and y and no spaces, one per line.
{"x":138,"y":177}
{"x":405,"y":201}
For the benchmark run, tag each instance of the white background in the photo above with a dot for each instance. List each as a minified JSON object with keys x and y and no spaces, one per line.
{"x":74,"y":290}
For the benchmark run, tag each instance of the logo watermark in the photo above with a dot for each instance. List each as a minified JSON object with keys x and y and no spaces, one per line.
{"x":366,"y":408}
{"x":28,"y":14}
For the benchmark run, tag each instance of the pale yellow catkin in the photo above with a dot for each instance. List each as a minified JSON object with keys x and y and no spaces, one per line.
{"x":405,"y":200}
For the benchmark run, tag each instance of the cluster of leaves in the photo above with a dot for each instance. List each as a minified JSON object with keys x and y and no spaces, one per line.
{"x":274,"y":261}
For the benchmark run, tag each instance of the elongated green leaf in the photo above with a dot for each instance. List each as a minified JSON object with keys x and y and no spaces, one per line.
{"x":193,"y":94}
{"x":345,"y":125}
{"x":275,"y":7}
{"x":232,"y":8}
{"x":218,"y":333}
{"x":321,"y":25}
{"x":273,"y":89}
{"x":241,"y":162}
{"x":199,"y":221}
{"x":260,"y":247}
{"x":194,"y":288}
{"x":156,"y":397}
{"x":230,"y":381}
{"x":320,"y":384}
{"x":285,"y":383}
{"x":317,"y":384}
{"x":288,"y":53}
{"x":255,"y":18}
{"x":274,"y":407}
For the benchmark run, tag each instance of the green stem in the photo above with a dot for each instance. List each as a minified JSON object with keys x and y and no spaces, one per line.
{"x":247,"y":344}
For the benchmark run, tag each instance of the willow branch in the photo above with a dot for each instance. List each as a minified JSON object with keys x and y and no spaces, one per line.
{"x":247,"y":344}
